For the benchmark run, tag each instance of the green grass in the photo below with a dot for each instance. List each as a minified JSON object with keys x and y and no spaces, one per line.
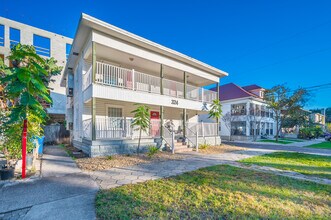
{"x":323,"y":145}
{"x":218,"y":192}
{"x":314,"y":165}
{"x":276,"y":142}
{"x":292,"y":139}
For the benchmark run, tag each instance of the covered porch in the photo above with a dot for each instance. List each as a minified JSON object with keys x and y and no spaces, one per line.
{"x":167,"y":125}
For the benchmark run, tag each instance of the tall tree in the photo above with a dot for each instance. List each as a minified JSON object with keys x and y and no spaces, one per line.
{"x":284,"y":103}
{"x":141,"y":120}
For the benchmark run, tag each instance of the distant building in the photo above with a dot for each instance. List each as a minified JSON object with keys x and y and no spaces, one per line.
{"x":47,"y":44}
{"x":249,"y":114}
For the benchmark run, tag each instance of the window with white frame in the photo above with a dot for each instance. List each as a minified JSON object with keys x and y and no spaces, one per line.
{"x":238,"y":109}
{"x":42,"y":45}
{"x":238,"y":128}
{"x":14,"y":36}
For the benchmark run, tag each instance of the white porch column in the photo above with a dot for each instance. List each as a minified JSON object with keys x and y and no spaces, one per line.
{"x":93,"y":113}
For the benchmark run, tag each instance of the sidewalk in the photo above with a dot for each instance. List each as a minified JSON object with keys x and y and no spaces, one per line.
{"x":63,"y":192}
{"x":134,"y":174}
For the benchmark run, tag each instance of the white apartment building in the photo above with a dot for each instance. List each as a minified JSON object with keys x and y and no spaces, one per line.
{"x":245,"y":114}
{"x":47,"y":44}
{"x":110,"y":70}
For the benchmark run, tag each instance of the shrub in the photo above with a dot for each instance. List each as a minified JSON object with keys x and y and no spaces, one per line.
{"x":152,"y":150}
{"x":310,"y":132}
{"x":110,"y":157}
{"x":204,"y":146}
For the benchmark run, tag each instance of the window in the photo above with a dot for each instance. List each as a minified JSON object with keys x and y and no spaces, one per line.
{"x":68,"y":48}
{"x":238,"y":128}
{"x":263,"y":111}
{"x":267,"y":128}
{"x":2,"y":35}
{"x":42,"y":45}
{"x":114,"y":112}
{"x":251,"y":109}
{"x":14,"y":36}
{"x":271,"y":129}
{"x":254,"y":128}
{"x":115,"y":118}
{"x":238,"y":109}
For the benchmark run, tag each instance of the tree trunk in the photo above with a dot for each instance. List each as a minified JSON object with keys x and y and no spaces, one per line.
{"x":24,"y":140}
{"x":277,"y":130}
{"x":138,"y":148}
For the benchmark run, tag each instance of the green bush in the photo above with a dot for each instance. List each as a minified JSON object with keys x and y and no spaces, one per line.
{"x":152,"y":150}
{"x":110,"y":157}
{"x":204,"y":146}
{"x":310,"y":132}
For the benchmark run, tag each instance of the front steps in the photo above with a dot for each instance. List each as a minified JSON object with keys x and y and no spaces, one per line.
{"x":179,"y":147}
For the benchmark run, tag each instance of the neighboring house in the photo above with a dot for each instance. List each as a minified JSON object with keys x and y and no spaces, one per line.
{"x":110,"y":69}
{"x":47,"y":44}
{"x":317,"y":118}
{"x":245,"y":114}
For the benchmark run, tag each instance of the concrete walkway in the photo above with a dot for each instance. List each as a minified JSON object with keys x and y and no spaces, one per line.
{"x":134,"y":174}
{"x":115,"y":177}
{"x":63,"y":192}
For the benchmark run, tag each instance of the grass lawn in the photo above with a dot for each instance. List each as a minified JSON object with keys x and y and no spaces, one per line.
{"x":276,"y":142}
{"x":291,"y":139}
{"x":323,"y":145}
{"x":319,"y":166}
{"x":218,"y":192}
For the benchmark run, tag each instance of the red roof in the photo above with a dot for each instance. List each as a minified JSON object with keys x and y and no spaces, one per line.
{"x":233,"y":91}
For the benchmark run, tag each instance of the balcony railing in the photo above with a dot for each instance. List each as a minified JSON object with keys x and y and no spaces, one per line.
{"x":110,"y":75}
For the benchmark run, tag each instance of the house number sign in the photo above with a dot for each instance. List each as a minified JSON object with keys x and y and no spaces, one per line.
{"x":174,"y":102}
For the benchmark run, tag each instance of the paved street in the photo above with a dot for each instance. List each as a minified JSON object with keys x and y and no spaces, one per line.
{"x":276,"y":147}
{"x":64,"y":192}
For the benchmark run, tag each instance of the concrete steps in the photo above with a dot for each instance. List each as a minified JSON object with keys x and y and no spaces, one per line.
{"x":179,"y":147}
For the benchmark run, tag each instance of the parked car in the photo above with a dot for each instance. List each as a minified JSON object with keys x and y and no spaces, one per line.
{"x":328,"y":137}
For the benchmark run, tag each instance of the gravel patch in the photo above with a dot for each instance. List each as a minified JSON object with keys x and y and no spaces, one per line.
{"x":103,"y":163}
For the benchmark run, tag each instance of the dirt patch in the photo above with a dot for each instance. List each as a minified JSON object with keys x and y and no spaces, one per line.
{"x":102,"y":163}
{"x":224,"y":148}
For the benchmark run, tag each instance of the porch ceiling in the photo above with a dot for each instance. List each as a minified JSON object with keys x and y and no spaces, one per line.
{"x":119,"y":58}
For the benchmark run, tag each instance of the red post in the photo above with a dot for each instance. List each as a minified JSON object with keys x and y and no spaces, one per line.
{"x":24,"y":148}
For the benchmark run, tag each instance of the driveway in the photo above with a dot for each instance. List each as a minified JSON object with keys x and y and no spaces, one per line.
{"x":63,"y":192}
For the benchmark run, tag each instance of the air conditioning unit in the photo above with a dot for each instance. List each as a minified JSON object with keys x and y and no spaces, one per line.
{"x":70,"y":92}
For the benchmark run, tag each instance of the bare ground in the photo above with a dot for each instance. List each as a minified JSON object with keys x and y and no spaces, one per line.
{"x":102,"y":163}
{"x":220,"y":149}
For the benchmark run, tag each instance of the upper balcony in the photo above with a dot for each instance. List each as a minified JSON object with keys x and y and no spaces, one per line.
{"x":131,"y":79}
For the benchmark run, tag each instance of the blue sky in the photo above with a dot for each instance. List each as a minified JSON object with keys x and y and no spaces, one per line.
{"x":264,"y":42}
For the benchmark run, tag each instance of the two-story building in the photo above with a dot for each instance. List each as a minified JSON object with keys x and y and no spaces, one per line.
{"x":110,"y":70}
{"x":245,"y":115}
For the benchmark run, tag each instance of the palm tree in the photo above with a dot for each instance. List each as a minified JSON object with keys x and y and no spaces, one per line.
{"x":216,"y":112}
{"x":141,"y":120}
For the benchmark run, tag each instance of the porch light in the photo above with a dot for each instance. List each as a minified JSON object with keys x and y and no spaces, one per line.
{"x":131,"y":59}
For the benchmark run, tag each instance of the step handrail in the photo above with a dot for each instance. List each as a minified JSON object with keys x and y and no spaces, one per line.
{"x":171,"y":136}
